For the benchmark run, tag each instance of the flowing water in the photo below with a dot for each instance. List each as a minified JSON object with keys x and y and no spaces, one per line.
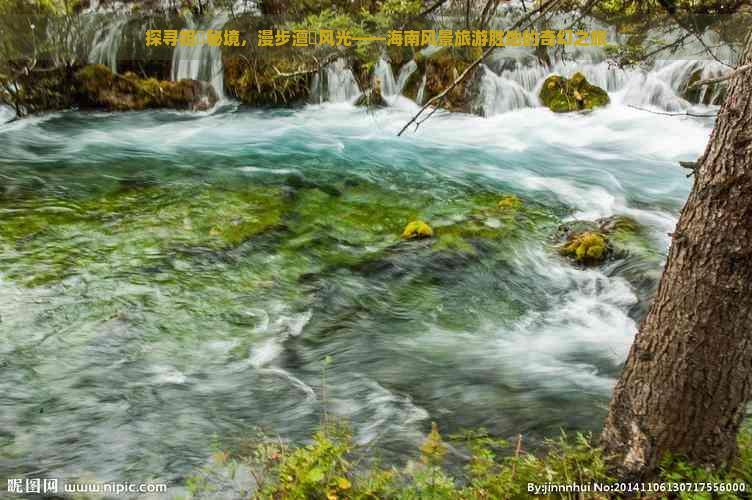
{"x":107,"y":43}
{"x":202,"y":61}
{"x":170,"y":277}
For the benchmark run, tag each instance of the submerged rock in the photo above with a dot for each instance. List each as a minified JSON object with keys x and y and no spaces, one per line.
{"x":593,"y":242}
{"x":417,"y":229}
{"x":562,"y":95}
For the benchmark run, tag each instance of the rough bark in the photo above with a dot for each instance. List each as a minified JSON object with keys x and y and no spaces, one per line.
{"x":688,"y":375}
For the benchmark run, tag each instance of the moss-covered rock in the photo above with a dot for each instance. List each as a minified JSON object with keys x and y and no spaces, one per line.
{"x":615,"y":237}
{"x":268,"y":83}
{"x":44,"y":90}
{"x":586,"y":248}
{"x":101,"y":89}
{"x":441,"y":69}
{"x":563,"y":95}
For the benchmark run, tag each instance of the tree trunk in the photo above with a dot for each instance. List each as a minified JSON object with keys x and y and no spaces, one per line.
{"x":688,"y":376}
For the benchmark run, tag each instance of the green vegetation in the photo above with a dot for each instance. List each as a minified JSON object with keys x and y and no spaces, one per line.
{"x":562,"y":95}
{"x":417,"y":229}
{"x":586,"y":248}
{"x":333,"y":467}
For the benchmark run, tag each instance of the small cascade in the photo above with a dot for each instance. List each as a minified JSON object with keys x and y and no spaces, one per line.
{"x":661,"y":87}
{"x":340,"y":82}
{"x":202,"y":62}
{"x":677,"y":73}
{"x":649,"y":90}
{"x":318,"y":91}
{"x":405,"y":73}
{"x":499,"y":95}
{"x":421,"y":91}
{"x":383,"y":77}
{"x":107,"y":43}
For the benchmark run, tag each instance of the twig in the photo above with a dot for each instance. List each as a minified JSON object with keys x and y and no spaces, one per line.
{"x":671,"y":10}
{"x":544,"y":7}
{"x":328,"y":60}
{"x":673,"y":44}
{"x":727,"y":76}
{"x":419,"y":123}
{"x":686,"y":113}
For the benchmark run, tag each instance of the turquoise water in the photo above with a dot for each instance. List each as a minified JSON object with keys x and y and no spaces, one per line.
{"x":169,"y":279}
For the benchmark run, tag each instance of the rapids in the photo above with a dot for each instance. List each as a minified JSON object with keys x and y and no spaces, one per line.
{"x":138,"y":321}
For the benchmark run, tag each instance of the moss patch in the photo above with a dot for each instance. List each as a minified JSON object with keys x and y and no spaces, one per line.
{"x":586,"y":248}
{"x":417,"y":229}
{"x":563,"y":95}
{"x":100,"y":88}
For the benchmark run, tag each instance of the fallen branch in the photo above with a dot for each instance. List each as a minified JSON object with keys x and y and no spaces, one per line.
{"x":328,"y":60}
{"x":544,"y":7}
{"x":686,"y":113}
{"x":727,"y":76}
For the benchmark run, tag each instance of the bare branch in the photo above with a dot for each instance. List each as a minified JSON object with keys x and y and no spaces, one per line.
{"x":727,"y":76}
{"x":542,"y":9}
{"x":686,"y":113}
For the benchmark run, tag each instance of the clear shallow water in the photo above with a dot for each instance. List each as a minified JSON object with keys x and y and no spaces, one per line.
{"x":166,"y":277}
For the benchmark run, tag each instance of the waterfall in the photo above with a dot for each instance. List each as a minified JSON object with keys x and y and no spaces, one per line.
{"x":383,"y":76}
{"x":340,"y":82}
{"x":677,"y":73}
{"x":499,"y":95}
{"x":421,"y":91}
{"x":107,"y":43}
{"x":405,"y":73}
{"x":660,"y":87}
{"x":202,"y":62}
{"x":650,"y":90}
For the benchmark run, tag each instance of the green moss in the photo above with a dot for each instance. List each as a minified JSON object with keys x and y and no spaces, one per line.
{"x":100,"y":88}
{"x":563,"y":95}
{"x":586,"y":248}
{"x":509,"y":202}
{"x":133,"y":228}
{"x":261,"y":85}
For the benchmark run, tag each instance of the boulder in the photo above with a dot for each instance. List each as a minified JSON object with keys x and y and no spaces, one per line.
{"x":562,"y":95}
